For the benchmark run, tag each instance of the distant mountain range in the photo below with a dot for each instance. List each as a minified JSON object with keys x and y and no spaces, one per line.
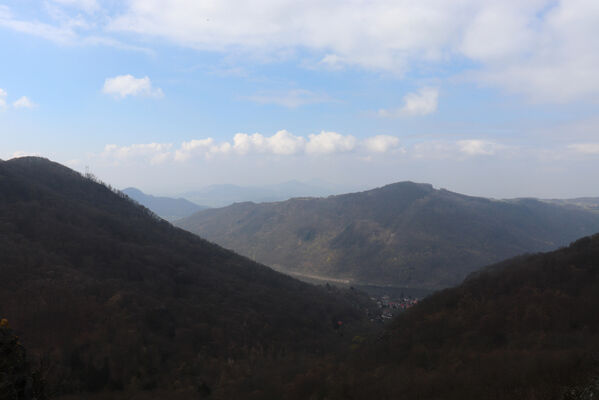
{"x":114,"y":299}
{"x":165,"y":207}
{"x":404,"y":234}
{"x":224,"y":195}
{"x":588,"y":203}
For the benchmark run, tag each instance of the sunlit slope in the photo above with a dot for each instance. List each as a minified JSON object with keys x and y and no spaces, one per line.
{"x":404,"y":234}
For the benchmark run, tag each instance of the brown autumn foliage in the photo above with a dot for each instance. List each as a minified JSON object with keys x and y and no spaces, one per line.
{"x":114,"y":299}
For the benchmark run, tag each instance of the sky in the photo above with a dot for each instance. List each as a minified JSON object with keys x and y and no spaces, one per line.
{"x":488,"y":98}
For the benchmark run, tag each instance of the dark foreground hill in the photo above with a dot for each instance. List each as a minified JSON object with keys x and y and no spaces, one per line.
{"x":112,"y":298}
{"x":404,"y":234}
{"x":165,"y":207}
{"x":527,"y":328}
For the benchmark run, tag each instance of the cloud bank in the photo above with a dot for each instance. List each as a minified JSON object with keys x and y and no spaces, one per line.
{"x":315,"y":146}
{"x":544,"y":49}
{"x":282,"y":143}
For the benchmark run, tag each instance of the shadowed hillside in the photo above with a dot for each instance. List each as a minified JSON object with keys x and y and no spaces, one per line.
{"x":526,"y":328}
{"x":404,"y":234}
{"x":115,"y":299}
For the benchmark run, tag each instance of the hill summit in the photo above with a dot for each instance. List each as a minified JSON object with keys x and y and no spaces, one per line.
{"x":404,"y":234}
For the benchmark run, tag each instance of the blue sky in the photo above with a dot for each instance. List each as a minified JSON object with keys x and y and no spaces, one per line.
{"x":483,"y":97}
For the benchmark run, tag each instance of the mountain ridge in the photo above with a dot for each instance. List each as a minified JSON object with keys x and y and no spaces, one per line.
{"x":406,"y":234}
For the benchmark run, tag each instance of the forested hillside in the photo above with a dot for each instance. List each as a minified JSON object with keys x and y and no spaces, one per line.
{"x":113,"y":299}
{"x":404,"y":234}
{"x":526,"y":328}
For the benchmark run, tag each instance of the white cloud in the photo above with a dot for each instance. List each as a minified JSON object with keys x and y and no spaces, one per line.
{"x":421,"y":103}
{"x":330,"y":142}
{"x":23,"y":102}
{"x":585,"y":148}
{"x":381,"y":143}
{"x":3,"y":95}
{"x":545,"y":49}
{"x":290,"y":99}
{"x":281,"y":143}
{"x":127,"y":85}
{"x":207,"y":147}
{"x":156,"y":153}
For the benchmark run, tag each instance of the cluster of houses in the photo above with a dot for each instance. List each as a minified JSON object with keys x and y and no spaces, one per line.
{"x":390,"y":307}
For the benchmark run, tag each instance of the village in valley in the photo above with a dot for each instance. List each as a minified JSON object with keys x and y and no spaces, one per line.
{"x":391,"y":306}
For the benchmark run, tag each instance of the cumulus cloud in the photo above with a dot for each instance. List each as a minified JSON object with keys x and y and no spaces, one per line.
{"x":282,"y":143}
{"x":420,"y":103}
{"x":3,"y":96}
{"x":207,"y":147}
{"x":585,"y":148}
{"x":290,"y":99}
{"x":127,"y":85}
{"x":324,"y":144}
{"x":330,"y":142}
{"x":23,"y":102}
{"x":381,"y":143}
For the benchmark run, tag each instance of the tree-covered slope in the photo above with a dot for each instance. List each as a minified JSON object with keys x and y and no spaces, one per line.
{"x":117,"y":299}
{"x":527,"y":328}
{"x":404,"y":234}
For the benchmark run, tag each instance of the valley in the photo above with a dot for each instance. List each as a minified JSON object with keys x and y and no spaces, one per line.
{"x":111,"y":301}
